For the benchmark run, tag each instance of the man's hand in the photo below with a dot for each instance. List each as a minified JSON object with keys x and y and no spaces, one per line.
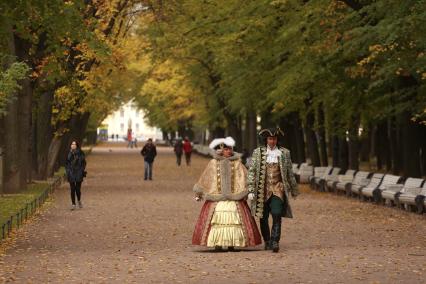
{"x":250,"y":196}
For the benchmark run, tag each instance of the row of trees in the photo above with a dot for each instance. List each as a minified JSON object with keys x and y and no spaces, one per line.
{"x":63,"y":68}
{"x":345,"y":79}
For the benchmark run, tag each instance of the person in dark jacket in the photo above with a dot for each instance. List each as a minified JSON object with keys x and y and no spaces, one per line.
{"x":149,"y":152}
{"x":178,"y":151}
{"x":75,"y":168}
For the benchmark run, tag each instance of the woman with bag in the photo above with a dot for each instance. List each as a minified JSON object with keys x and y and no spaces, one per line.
{"x":75,"y":168}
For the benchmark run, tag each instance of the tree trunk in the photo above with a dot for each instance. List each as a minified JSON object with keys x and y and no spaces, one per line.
{"x":365,"y":145}
{"x":322,"y":137}
{"x":44,"y":132}
{"x":343,"y":154}
{"x":53,"y":153}
{"x":234,"y":128}
{"x":423,"y":150}
{"x":251,"y":127}
{"x":382,"y":146}
{"x":217,"y":132}
{"x":12,"y":160}
{"x":410,"y":147}
{"x":288,"y":141}
{"x":299,"y":139}
{"x":311,"y":140}
{"x":335,"y":150}
{"x":2,"y":135}
{"x":353,"y":144}
{"x":25,"y":114}
{"x":394,"y":146}
{"x":181,"y":128}
{"x":266,"y":119}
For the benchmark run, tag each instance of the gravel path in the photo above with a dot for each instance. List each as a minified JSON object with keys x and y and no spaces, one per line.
{"x":136,"y":231}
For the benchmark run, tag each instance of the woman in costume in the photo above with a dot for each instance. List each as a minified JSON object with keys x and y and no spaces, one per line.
{"x":225,"y":219}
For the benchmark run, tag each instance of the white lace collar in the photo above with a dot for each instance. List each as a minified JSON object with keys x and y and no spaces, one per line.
{"x":272,"y":155}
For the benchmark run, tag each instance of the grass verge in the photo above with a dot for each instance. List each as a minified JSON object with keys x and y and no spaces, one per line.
{"x":10,"y":204}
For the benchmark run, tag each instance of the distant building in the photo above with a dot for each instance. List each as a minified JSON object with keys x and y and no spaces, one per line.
{"x":128,"y":116}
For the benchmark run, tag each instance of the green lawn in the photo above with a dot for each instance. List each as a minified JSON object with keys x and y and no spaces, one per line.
{"x":10,"y":204}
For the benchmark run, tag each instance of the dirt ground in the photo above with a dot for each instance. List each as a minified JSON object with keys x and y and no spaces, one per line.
{"x":136,"y":231}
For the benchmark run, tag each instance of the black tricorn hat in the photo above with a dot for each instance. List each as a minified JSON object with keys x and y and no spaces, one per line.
{"x":271,"y":132}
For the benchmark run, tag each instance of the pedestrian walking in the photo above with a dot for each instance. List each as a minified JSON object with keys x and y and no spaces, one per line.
{"x":178,"y":149}
{"x":75,"y":168}
{"x":149,"y":152}
{"x":187,"y":149}
{"x":225,"y":219}
{"x":270,"y":182}
{"x":129,"y":138}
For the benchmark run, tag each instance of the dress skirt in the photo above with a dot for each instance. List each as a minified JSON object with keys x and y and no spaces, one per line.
{"x":226,"y":223}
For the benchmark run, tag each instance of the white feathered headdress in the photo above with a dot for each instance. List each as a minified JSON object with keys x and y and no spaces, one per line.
{"x":228,"y":141}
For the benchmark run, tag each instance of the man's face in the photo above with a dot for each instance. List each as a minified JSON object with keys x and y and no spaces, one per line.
{"x":272,"y":141}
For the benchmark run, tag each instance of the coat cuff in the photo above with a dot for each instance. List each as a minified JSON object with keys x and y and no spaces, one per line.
{"x":197,"y":189}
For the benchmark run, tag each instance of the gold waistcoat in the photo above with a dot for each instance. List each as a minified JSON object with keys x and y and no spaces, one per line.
{"x":274,"y":185}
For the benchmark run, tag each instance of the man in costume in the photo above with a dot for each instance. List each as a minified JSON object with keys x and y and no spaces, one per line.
{"x":225,"y":219}
{"x":270,"y":182}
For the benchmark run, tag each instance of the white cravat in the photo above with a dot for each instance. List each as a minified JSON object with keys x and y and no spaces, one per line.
{"x":272,"y":155}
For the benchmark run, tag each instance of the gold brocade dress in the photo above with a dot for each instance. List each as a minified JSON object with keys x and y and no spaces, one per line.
{"x":225,"y":219}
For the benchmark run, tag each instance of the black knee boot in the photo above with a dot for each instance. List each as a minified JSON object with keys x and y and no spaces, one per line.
{"x":276,"y":232}
{"x":266,"y":234}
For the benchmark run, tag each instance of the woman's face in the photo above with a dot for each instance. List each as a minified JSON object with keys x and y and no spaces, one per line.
{"x":73,"y":145}
{"x":227,"y":152}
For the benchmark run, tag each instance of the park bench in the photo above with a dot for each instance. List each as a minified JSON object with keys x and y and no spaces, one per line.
{"x":332,"y":175}
{"x":376,"y":192}
{"x":392,"y":192}
{"x":372,"y":181}
{"x":319,"y":173}
{"x":305,"y":172}
{"x":412,"y":196}
{"x":372,"y":184}
{"x":360,"y":179}
{"x":294,"y":168}
{"x":347,"y":180}
{"x":347,"y":177}
{"x":296,"y":171}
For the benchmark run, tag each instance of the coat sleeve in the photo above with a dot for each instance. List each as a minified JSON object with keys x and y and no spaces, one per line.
{"x":290,"y":176}
{"x":206,"y":179}
{"x":67,"y":165}
{"x":83,"y":160}
{"x":251,"y":177}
